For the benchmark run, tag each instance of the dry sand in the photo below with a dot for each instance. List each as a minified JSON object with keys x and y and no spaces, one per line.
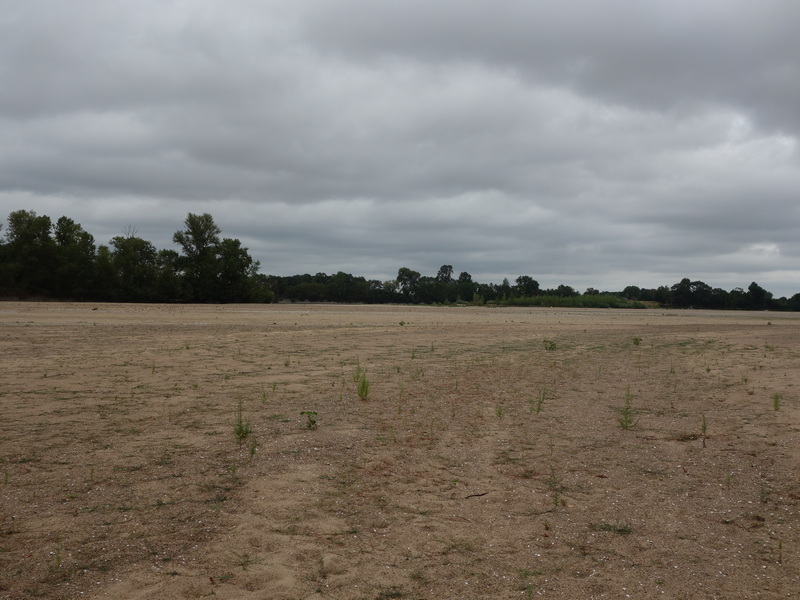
{"x":489,"y":459}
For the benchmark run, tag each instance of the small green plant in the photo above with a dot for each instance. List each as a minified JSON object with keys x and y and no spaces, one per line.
{"x":549,"y":345}
{"x":776,"y":401}
{"x":241,"y":426}
{"x":540,"y":401}
{"x":554,"y":485}
{"x":619,"y":529}
{"x":363,"y":387}
{"x":499,"y":411}
{"x":704,"y":429}
{"x":636,"y":341}
{"x":626,"y":413}
{"x":311,"y":419}
{"x":244,"y":559}
{"x":57,"y":555}
{"x":763,"y":493}
{"x":359,"y":372}
{"x":672,"y":368}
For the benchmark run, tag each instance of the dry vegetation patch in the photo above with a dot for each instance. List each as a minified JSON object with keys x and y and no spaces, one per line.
{"x":235,"y":452}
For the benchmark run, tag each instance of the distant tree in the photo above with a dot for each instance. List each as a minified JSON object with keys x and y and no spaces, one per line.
{"x":503,"y":290}
{"x":73,"y":275}
{"x":105,"y":276}
{"x":466,"y":287}
{"x":681,"y":293}
{"x":199,"y":240}
{"x":168,"y":278}
{"x":758,"y":298}
{"x":135,"y":267}
{"x":344,"y":287}
{"x":236,"y":271}
{"x":565,"y":291}
{"x":590,"y":291}
{"x":407,"y":281}
{"x":632,"y":292}
{"x":527,"y":286}
{"x":445,"y":274}
{"x":794,"y":302}
{"x":30,"y":252}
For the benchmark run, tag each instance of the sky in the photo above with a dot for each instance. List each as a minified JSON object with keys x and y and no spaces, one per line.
{"x":580,"y":142}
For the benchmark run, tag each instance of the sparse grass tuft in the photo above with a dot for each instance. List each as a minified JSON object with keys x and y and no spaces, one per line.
{"x":241,"y":425}
{"x":626,"y":413}
{"x":619,"y":529}
{"x":540,"y":401}
{"x":363,"y":387}
{"x":776,"y":401}
{"x":549,"y":345}
{"x":704,"y":429}
{"x":311,"y":416}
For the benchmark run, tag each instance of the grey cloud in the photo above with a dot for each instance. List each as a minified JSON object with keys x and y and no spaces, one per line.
{"x":672,"y":55}
{"x":572,"y":141}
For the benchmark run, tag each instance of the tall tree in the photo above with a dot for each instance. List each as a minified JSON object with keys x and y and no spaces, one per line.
{"x":200,"y":242}
{"x":527,"y":286}
{"x":445,"y":274}
{"x":758,"y":298}
{"x":237,"y":271}
{"x":30,"y":252}
{"x":406,"y":281}
{"x":466,"y":287}
{"x":134,"y":261}
{"x":75,"y":260}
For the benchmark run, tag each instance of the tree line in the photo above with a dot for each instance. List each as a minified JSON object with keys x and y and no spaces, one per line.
{"x":445,"y":288}
{"x":42,"y":259}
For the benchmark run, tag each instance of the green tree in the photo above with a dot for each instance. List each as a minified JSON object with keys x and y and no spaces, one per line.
{"x":30,"y":252}
{"x":237,"y":271}
{"x":200,"y":243}
{"x":466,"y":287}
{"x":75,"y":260}
{"x":527,"y":286}
{"x":758,"y":298}
{"x":105,"y":276}
{"x":445,"y":274}
{"x":407,"y":281}
{"x":135,"y":268}
{"x":168,"y":278}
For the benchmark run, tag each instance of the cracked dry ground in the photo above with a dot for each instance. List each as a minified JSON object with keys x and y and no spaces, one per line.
{"x":500,"y":453}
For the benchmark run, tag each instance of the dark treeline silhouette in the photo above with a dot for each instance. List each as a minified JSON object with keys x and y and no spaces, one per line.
{"x":412,"y":287}
{"x":40,"y":259}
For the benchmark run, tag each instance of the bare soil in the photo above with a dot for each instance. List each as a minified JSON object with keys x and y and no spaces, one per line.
{"x":499,"y":453}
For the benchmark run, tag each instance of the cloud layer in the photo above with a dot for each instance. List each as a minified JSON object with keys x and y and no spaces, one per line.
{"x":587,"y":143}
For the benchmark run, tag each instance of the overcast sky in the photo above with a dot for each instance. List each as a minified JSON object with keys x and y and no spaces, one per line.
{"x":584,"y":142}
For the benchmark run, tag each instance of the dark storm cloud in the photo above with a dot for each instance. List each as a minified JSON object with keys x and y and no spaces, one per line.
{"x":587,"y":143}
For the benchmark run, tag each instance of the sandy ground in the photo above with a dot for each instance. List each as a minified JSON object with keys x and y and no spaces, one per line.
{"x":493,"y":457}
